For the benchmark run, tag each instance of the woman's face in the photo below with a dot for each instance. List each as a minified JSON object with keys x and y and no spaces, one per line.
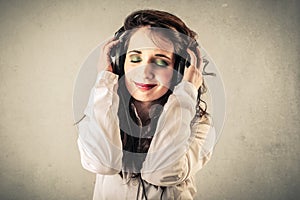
{"x":148,"y":68}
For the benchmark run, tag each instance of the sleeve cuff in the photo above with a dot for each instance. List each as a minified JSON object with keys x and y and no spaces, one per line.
{"x":186,"y":87}
{"x":107,"y":75}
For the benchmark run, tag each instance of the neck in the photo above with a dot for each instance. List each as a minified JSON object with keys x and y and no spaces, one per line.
{"x":143,"y":109}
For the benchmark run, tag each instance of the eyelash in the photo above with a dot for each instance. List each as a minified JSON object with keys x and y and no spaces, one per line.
{"x":135,"y":61}
{"x":164,"y":65}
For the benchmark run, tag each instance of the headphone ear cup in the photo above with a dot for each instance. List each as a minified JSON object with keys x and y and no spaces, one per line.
{"x":180,"y":70}
{"x":118,"y":53}
{"x":119,"y":59}
{"x":187,"y":61}
{"x":182,"y":64}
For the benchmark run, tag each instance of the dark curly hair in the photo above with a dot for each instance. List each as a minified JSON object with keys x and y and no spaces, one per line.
{"x":168,"y":21}
{"x":132,"y":143}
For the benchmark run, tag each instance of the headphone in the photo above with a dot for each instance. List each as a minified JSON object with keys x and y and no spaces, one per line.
{"x":119,"y":54}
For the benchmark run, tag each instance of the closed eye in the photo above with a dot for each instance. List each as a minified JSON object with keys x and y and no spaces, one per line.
{"x":135,"y":59}
{"x":161,"y":63}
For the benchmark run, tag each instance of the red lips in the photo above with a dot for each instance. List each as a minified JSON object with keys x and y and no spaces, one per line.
{"x":144,"y":86}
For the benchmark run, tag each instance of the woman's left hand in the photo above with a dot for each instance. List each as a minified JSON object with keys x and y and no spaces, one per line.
{"x":193,"y":73}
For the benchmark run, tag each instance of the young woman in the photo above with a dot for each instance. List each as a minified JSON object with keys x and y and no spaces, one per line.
{"x":145,"y":124}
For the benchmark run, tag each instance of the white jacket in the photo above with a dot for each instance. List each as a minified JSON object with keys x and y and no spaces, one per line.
{"x":180,"y":147}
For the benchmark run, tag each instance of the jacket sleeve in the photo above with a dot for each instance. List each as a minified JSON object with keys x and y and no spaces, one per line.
{"x":99,"y":139}
{"x":182,"y":143}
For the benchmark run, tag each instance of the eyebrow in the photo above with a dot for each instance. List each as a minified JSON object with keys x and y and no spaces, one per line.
{"x":136,"y":51}
{"x":139,"y":52}
{"x":162,"y":55}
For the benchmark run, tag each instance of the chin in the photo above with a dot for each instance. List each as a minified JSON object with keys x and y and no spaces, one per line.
{"x":143,"y":97}
{"x":148,"y":95}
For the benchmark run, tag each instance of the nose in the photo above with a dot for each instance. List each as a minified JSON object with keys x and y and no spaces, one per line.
{"x":148,"y":71}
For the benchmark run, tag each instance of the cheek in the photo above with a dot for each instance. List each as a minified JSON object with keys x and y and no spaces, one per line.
{"x":126,"y":66}
{"x":128,"y":69}
{"x":164,"y":76}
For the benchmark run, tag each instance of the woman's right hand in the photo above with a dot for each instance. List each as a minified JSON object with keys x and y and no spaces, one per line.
{"x":193,"y":73}
{"x":104,"y":62}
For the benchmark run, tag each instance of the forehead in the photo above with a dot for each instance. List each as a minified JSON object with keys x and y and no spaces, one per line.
{"x":144,"y":38}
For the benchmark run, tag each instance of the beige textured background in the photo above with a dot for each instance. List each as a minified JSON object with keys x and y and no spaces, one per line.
{"x":255,"y":44}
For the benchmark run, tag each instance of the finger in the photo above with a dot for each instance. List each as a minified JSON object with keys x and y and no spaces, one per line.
{"x":108,"y":47}
{"x":106,"y":50}
{"x":107,"y":42}
{"x":111,"y":44}
{"x":110,"y":40}
{"x":200,"y":61}
{"x":193,"y":60}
